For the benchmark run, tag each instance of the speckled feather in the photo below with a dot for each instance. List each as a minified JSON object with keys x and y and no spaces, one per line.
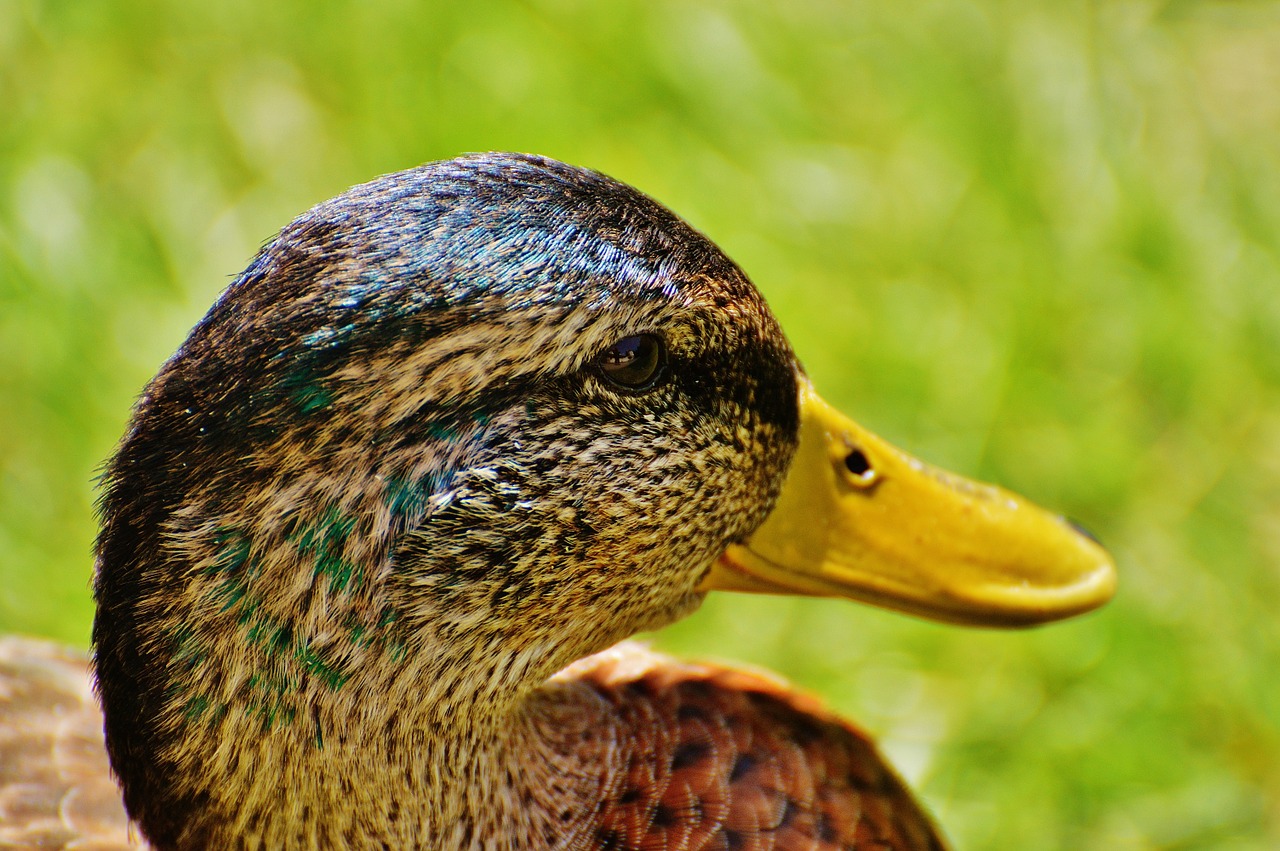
{"x":383,"y":493}
{"x":724,"y":759}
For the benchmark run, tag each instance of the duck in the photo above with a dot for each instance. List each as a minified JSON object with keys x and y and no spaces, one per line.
{"x":377,"y":536}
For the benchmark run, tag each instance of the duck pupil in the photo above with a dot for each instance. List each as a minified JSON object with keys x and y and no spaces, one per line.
{"x":632,"y":361}
{"x":856,"y":462}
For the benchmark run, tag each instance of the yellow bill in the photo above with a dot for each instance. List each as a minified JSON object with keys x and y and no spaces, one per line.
{"x":860,"y":519}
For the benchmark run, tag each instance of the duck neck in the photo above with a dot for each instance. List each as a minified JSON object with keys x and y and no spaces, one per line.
{"x":497,"y":755}
{"x":414,"y":751}
{"x":534,"y":780}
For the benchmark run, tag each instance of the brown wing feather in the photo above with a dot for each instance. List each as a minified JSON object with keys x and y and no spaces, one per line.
{"x":722,"y":759}
{"x":56,"y":790}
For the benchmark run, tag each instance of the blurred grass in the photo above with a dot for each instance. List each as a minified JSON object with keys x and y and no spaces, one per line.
{"x":1038,"y":243}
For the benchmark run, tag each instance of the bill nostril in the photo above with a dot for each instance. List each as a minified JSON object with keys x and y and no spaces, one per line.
{"x":856,"y":462}
{"x":858,"y":465}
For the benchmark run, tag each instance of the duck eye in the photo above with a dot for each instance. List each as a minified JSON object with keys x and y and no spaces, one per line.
{"x":633,"y":362}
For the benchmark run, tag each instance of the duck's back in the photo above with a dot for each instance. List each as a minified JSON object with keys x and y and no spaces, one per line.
{"x":719,"y":758}
{"x":715,"y":759}
{"x":55,"y":788}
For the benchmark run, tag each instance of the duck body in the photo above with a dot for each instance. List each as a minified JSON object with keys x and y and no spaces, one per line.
{"x":450,"y":437}
{"x":690,"y":756}
{"x":56,"y":788}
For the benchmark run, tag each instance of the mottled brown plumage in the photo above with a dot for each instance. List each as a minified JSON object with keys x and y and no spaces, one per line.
{"x":55,"y":788}
{"x":724,"y":759}
{"x":448,"y":433}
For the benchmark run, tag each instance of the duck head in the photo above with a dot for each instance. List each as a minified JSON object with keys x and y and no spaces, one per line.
{"x":451,"y":431}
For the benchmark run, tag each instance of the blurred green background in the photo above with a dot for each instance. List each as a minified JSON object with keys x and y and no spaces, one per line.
{"x":1038,"y":243}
